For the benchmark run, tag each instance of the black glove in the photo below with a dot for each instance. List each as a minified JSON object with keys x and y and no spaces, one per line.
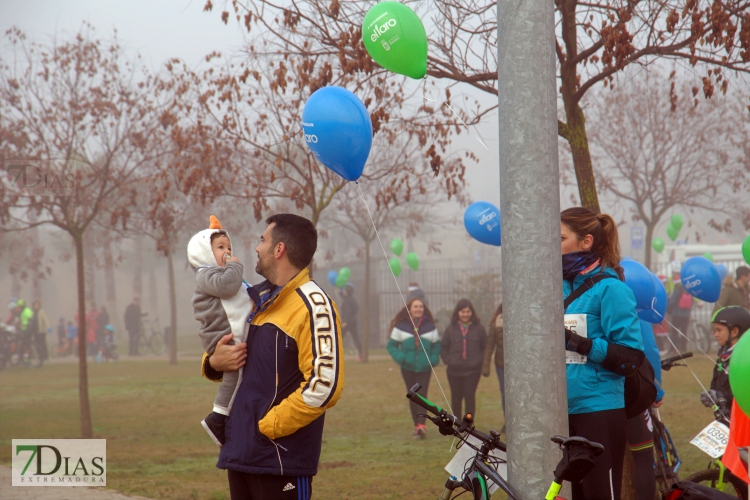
{"x":709,"y":398}
{"x":576,"y":343}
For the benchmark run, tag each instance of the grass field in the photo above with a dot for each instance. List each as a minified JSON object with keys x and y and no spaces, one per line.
{"x":149,"y":412}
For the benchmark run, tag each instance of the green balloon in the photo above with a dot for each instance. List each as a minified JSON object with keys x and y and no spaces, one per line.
{"x":676,"y":221}
{"x":395,"y":37}
{"x":344,"y":272}
{"x":341,"y":281}
{"x":413,"y":261}
{"x":709,"y":256}
{"x":746,"y":249}
{"x":739,"y":375}
{"x":395,"y":266}
{"x":657,"y":244}
{"x":397,"y":246}
{"x":672,"y":232}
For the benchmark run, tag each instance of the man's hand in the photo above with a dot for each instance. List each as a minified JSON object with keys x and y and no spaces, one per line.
{"x":228,"y":358}
{"x":658,"y":403}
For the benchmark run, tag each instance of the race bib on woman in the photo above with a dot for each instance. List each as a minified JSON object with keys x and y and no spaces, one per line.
{"x":576,"y":323}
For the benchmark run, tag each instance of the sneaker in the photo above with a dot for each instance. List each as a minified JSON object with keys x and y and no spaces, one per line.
{"x":214,"y":426}
{"x":420,"y":431}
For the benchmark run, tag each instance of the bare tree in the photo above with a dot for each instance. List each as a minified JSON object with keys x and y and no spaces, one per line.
{"x":74,"y":116}
{"x":658,"y":150}
{"x":246,"y":141}
{"x":595,"y":41}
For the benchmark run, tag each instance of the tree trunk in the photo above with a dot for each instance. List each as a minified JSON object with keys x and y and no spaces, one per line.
{"x":366,"y":329}
{"x":579,"y":147}
{"x":89,"y":273}
{"x":111,"y":289}
{"x":83,"y":379}
{"x":138,"y":267}
{"x":172,"y":310}
{"x":649,"y":238}
{"x":628,"y":491}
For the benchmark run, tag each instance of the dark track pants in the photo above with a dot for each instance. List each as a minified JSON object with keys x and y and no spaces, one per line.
{"x":641,"y":444}
{"x":243,"y":486}
{"x":606,"y":428}
{"x":464,"y":388}
{"x":422,"y":378}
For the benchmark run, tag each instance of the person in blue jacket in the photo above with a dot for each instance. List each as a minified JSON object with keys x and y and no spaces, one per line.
{"x":641,"y":428}
{"x":603,"y":335}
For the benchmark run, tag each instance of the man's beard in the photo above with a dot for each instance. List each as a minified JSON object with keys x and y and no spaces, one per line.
{"x":264,"y":269}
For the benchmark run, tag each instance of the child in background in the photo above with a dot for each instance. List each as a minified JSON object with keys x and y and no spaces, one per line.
{"x":727,"y":326}
{"x":221,"y":304}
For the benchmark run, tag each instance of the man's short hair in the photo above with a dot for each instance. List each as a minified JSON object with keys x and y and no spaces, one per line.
{"x":742,"y":271}
{"x":298,"y":234}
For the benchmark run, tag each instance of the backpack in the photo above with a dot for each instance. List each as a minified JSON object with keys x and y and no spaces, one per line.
{"x":686,"y":301}
{"x":640,"y":389}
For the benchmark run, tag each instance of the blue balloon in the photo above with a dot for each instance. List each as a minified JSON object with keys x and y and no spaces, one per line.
{"x":638,"y":278}
{"x":701,"y":279}
{"x":722,"y":271}
{"x":338,"y":130}
{"x":332,"y":275}
{"x":482,"y":221}
{"x":658,"y":309}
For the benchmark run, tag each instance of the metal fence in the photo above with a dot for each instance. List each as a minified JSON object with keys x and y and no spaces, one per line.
{"x":701,"y":312}
{"x":443,"y":289}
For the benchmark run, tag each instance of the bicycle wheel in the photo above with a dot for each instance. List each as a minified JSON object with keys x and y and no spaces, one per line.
{"x":143,"y":344}
{"x":736,"y":487}
{"x":157,"y":344}
{"x":666,"y":460}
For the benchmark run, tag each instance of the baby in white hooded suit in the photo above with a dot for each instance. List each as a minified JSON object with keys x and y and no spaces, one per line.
{"x":222,"y":305}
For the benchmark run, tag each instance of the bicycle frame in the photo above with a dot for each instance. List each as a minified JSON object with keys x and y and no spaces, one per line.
{"x":475,"y":478}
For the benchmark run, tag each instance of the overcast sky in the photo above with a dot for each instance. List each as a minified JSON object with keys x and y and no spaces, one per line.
{"x":163,"y":29}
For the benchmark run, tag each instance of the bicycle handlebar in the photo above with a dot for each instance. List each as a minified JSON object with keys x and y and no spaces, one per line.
{"x":667,"y":364}
{"x":449,"y":424}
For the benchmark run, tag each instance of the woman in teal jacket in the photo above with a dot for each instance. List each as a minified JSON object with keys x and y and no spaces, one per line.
{"x":408,"y":350}
{"x":603,"y":337}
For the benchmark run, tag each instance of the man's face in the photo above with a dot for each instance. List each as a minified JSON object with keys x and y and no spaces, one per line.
{"x":742,"y":281}
{"x":266,"y":265}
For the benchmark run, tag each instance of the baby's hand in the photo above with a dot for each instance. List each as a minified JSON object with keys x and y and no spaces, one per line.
{"x":229,"y":258}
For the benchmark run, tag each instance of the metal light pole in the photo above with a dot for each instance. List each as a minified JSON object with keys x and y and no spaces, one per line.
{"x":536,"y":394}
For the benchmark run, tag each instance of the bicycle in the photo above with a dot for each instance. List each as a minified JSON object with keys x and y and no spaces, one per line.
{"x":666,"y":459}
{"x":713,"y":441}
{"x":700,"y":336}
{"x":151,"y":339}
{"x":479,"y":476}
{"x":17,"y":348}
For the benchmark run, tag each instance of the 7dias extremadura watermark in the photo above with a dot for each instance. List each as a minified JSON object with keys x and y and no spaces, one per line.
{"x":39,"y":177}
{"x":59,"y":462}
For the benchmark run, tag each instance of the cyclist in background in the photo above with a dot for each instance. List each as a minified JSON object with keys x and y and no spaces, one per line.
{"x":606,"y":344}
{"x":727,"y":325}
{"x":641,"y":428}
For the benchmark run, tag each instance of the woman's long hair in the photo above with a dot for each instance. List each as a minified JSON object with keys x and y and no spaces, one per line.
{"x":463,"y":304}
{"x":602,"y":228}
{"x":497,"y":313}
{"x":403,"y":314}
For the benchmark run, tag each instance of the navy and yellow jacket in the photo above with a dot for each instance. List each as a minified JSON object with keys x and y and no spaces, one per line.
{"x":294,"y":372}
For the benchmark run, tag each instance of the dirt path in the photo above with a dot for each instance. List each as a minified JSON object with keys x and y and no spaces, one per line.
{"x":8,"y":492}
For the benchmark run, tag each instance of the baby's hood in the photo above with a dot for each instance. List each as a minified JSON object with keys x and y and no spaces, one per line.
{"x":199,"y":249}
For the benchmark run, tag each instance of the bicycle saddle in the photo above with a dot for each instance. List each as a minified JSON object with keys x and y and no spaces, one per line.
{"x":567,"y":442}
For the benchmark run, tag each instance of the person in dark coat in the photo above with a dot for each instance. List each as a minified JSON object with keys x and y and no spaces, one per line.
{"x":133,"y":325}
{"x":679,"y":307}
{"x":348,"y":311}
{"x":463,"y":345}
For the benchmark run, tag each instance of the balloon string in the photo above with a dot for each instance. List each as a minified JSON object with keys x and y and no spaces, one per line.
{"x":686,"y":338}
{"x":684,"y":360}
{"x":454,"y":114}
{"x":691,"y":370}
{"x":416,"y":330}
